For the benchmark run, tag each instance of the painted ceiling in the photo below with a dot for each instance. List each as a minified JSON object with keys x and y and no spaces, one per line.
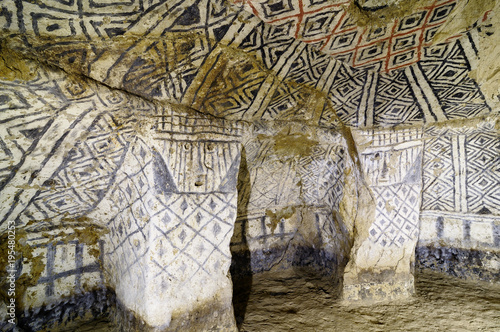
{"x":333,"y":29}
{"x":315,"y":61}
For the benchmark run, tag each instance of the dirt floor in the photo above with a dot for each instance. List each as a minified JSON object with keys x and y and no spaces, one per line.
{"x":298,"y":300}
{"x":289,"y":301}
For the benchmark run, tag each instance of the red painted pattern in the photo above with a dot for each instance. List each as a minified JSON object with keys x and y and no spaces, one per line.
{"x":300,"y":12}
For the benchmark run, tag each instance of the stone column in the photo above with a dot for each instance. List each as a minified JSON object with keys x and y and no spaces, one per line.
{"x":382,"y":257}
{"x":174,"y":207}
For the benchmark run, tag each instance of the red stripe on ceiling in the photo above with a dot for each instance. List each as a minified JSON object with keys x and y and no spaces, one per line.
{"x":300,"y":16}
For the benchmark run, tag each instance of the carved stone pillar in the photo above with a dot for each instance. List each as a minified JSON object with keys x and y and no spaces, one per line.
{"x":173,"y":212}
{"x":382,"y":258}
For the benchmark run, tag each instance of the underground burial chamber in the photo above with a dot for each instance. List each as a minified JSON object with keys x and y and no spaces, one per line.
{"x":155,"y":155}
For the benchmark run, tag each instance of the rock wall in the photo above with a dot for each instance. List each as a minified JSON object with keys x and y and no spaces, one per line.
{"x":460,"y":199}
{"x":60,"y":151}
{"x":170,"y":215}
{"x":58,"y":277}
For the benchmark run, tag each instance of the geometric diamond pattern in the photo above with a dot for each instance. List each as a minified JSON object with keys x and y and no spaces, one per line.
{"x":330,"y":229}
{"x":330,"y":28}
{"x":190,"y":227}
{"x":397,"y":214}
{"x":22,"y":123}
{"x":400,"y":163}
{"x":322,"y":176}
{"x":308,"y":67}
{"x":231,"y":94}
{"x":195,"y":72}
{"x":85,"y":175}
{"x":172,"y":228}
{"x":129,"y":226}
{"x":314,"y":179}
{"x":276,"y":189}
{"x":395,"y":101}
{"x":479,"y":157}
{"x":346,"y":93}
{"x":71,"y":129}
{"x":161,"y":238}
{"x":391,"y":164}
{"x":446,"y":70}
{"x":199,"y":233}
{"x":438,"y":191}
{"x":483,"y":172}
{"x":268,"y":43}
{"x":153,"y":68}
{"x":289,"y":102}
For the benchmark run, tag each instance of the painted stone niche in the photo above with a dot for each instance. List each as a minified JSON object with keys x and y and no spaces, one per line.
{"x":297,"y":196}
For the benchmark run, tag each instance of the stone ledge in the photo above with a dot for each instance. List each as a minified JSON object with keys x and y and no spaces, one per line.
{"x":369,"y":292}
{"x":245,"y":262}
{"x":462,"y":263}
{"x":68,"y":312}
{"x":211,"y":316}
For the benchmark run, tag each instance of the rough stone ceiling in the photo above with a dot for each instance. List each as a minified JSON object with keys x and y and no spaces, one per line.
{"x":314,"y":61}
